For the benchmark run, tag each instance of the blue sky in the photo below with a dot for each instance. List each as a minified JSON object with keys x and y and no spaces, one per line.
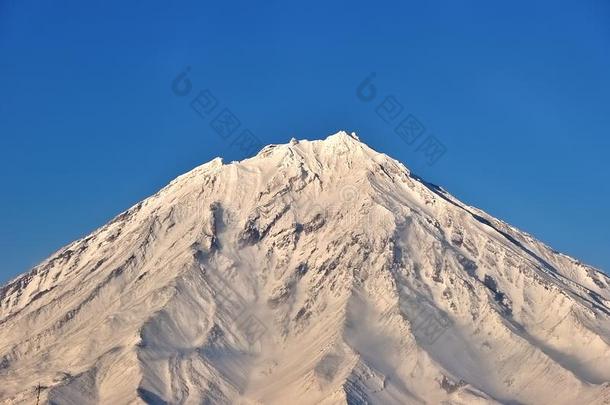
{"x":517,"y":92}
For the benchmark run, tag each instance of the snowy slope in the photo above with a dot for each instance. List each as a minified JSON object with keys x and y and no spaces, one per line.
{"x":317,"y":272}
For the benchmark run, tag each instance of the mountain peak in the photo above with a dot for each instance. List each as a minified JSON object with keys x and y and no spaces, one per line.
{"x":349,"y":140}
{"x":344,"y":136}
{"x":333,"y":152}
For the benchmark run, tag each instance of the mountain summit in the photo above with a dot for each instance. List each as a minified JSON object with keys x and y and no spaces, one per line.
{"x":316,"y":272}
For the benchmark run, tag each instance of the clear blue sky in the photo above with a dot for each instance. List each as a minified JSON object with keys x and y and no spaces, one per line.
{"x":518,"y":92}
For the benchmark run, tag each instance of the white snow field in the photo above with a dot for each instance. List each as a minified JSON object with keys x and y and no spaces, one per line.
{"x":316,"y":272}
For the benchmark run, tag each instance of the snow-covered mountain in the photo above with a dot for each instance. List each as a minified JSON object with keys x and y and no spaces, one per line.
{"x":316,"y":272}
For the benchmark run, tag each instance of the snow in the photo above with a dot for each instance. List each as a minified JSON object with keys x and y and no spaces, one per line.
{"x":316,"y":272}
